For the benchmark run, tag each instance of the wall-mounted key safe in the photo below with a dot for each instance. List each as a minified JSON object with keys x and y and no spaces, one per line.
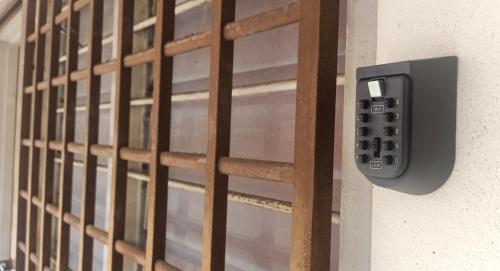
{"x":405,"y":123}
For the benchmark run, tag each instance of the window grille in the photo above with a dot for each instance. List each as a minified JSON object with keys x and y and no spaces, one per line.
{"x":310,"y":173}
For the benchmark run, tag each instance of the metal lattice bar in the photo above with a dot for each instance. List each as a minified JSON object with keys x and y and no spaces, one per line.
{"x":314,"y":135}
{"x":116,"y":227}
{"x":66,"y":182}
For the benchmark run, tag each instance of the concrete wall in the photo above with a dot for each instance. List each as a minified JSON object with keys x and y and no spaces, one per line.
{"x":458,"y":226}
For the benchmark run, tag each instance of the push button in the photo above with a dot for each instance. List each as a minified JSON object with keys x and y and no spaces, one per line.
{"x":388,"y":159}
{"x":389,"y":102}
{"x":363,"y":145}
{"x":362,"y":131}
{"x":362,"y":117}
{"x":388,"y":116}
{"x":388,"y":131}
{"x":362,"y":158}
{"x":388,"y":145}
{"x":363,"y":104}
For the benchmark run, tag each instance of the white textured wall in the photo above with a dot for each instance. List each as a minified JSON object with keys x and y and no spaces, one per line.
{"x":458,"y":226}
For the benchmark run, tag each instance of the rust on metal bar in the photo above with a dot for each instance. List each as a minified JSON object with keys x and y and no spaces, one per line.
{"x":219,"y":130}
{"x":164,"y":266}
{"x":80,"y":4}
{"x":187,"y":44}
{"x":56,"y":145}
{"x":262,"y":22}
{"x":106,"y":67}
{"x":314,"y":135}
{"x":77,"y":148}
{"x":266,"y":170}
{"x":101,"y":150}
{"x":139,"y":58}
{"x":52,"y":210}
{"x":59,"y":81}
{"x":116,"y":225}
{"x":130,"y":252}
{"x":193,"y":161}
{"x":159,"y":135}
{"x":72,"y":220}
{"x":135,"y":155}
{"x":79,"y":75}
{"x":97,"y":234}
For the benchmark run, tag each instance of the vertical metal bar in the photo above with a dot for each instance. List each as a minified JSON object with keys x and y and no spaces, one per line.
{"x":34,"y":154}
{"x":314,"y":135}
{"x":219,"y":130}
{"x":29,"y":10}
{"x":49,"y":134}
{"x":160,"y":134}
{"x":66,"y":182}
{"x":121,"y":134}
{"x":90,"y":161}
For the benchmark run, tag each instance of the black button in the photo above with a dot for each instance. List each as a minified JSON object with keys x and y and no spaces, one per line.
{"x":389,"y":102}
{"x":362,"y":158}
{"x":376,"y":144}
{"x":363,"y":104}
{"x":388,"y":145}
{"x":362,"y":117}
{"x":362,"y":145}
{"x":362,"y":131}
{"x":388,"y":159}
{"x":388,"y":131}
{"x":388,"y":116}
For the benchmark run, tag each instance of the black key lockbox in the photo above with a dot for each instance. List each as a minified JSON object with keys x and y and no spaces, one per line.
{"x":405,"y":123}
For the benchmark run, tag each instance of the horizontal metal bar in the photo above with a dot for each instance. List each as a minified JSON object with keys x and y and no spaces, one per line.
{"x":39,"y":143}
{"x":139,"y":58}
{"x":22,"y":247}
{"x":59,"y":81}
{"x":130,"y":252}
{"x":34,"y":259}
{"x":192,"y":161}
{"x":74,"y":147}
{"x":62,"y":16}
{"x":72,"y":220}
{"x":56,"y":146}
{"x":189,"y":43}
{"x":24,"y":194}
{"x":37,"y":201}
{"x":32,"y":37}
{"x":106,"y":67}
{"x":164,"y":266}
{"x":52,"y":210}
{"x":268,"y":170}
{"x":101,"y":150}
{"x":45,"y":28}
{"x":29,"y":89}
{"x":26,"y":142}
{"x":97,"y":234}
{"x":79,"y":75}
{"x":44,"y":85}
{"x":262,"y":22}
{"x":80,"y":4}
{"x":135,"y":155}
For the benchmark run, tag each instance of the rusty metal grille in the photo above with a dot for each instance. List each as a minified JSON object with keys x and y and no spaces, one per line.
{"x":310,"y":173}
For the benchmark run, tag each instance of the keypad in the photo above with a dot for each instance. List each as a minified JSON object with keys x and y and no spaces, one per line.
{"x":382,"y":128}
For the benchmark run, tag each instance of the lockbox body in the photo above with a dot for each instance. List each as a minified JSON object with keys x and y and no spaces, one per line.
{"x":406,"y":123}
